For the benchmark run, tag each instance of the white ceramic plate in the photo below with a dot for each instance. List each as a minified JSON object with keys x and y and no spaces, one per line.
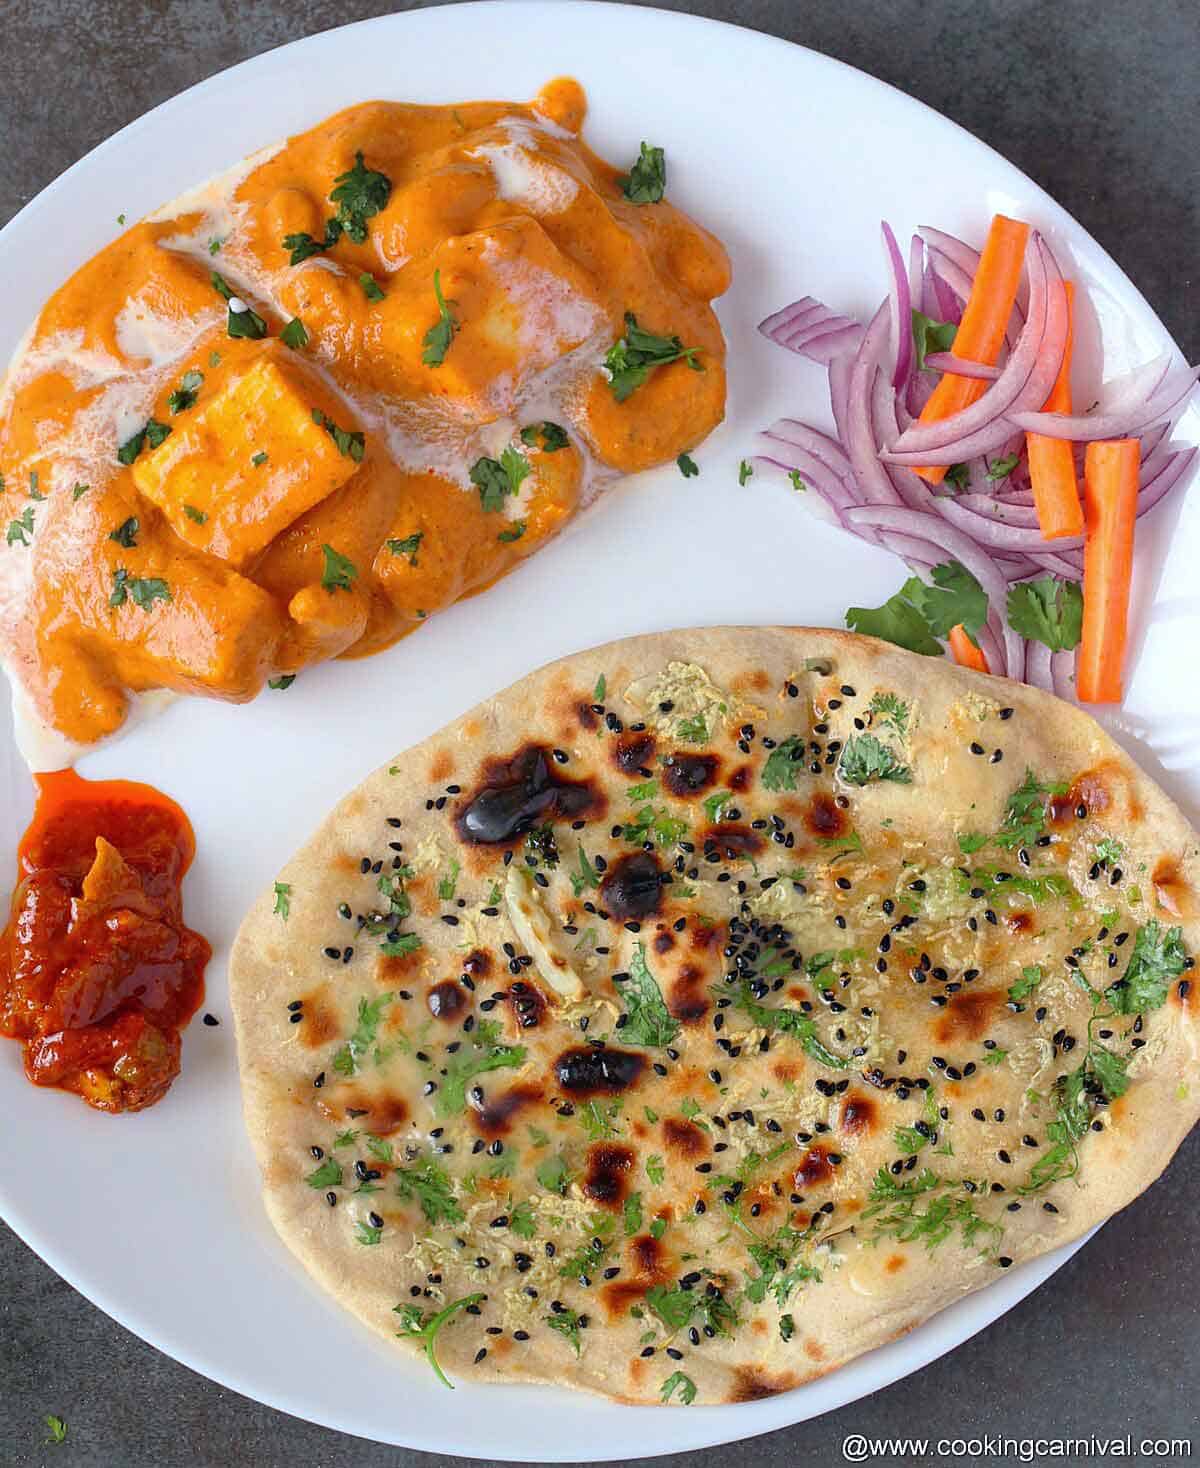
{"x":792,"y":159}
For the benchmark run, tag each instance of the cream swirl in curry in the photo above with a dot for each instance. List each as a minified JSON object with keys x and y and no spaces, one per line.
{"x":363,"y":375}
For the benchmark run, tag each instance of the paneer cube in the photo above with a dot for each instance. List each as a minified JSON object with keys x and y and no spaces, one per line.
{"x":244,"y":465}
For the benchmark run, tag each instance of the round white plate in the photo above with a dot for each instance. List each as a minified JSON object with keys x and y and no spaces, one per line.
{"x":792,"y":159}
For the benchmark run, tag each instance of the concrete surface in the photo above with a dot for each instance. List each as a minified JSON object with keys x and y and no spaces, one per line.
{"x":1097,"y":102}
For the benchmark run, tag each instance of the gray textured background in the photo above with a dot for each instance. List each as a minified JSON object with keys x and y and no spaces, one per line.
{"x":1095,"y":99}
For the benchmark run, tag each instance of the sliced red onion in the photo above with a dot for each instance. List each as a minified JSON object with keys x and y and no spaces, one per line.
{"x":830,"y":345}
{"x":839,"y":395}
{"x":1038,"y":670}
{"x":960,"y":284}
{"x":991,"y":534}
{"x":816,"y":457}
{"x":1132,"y":388}
{"x":991,"y":649}
{"x":795,"y":326}
{"x":1062,"y":665}
{"x":872,"y":477}
{"x":886,"y":409}
{"x":1026,"y":379}
{"x":920,"y":554}
{"x":1069,"y":567}
{"x":900,"y":300}
{"x":960,"y":366}
{"x":954,"y":249}
{"x":945,"y":305}
{"x":1086,"y":427}
{"x":962,"y":254}
{"x":959,"y":547}
{"x":1152,"y":438}
{"x":781,"y":322}
{"x":916,"y":274}
{"x":1172,"y":471}
{"x":1005,"y":512}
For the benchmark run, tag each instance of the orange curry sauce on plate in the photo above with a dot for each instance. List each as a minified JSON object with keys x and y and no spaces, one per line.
{"x":358,"y":377}
{"x":98,"y":972}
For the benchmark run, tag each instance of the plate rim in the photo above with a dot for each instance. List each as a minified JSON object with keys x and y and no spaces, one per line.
{"x":742,"y":1421}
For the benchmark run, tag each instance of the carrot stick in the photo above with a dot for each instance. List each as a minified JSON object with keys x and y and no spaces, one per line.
{"x":1110,"y":490}
{"x":1052,"y":460}
{"x":964,"y":651}
{"x":984,"y":321}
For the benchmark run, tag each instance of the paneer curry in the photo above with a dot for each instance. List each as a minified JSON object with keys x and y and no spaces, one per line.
{"x":296,"y":412}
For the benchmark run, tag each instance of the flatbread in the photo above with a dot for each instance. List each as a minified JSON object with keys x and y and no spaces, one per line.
{"x":715,"y":1006}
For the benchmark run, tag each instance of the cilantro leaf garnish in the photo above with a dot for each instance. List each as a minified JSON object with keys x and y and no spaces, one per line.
{"x":566,"y":1323}
{"x":745,"y":472}
{"x":451,"y":1097}
{"x":1002,"y":468}
{"x":779,"y":772}
{"x":865,"y":758}
{"x":371,"y":287}
{"x":1031,"y":977}
{"x":152,"y":433}
{"x":185,"y":395}
{"x":955,"y":598}
{"x":900,"y":620}
{"x":782,"y":1265}
{"x":328,"y":1175}
{"x":890,"y":710}
{"x":1047,"y":610}
{"x":1025,"y":813}
{"x":1158,"y":958}
{"x":498,"y":478}
{"x":514,"y":532}
{"x":367,"y":1233}
{"x":918,"y":614}
{"x":349,"y":442}
{"x":583,"y":1264}
{"x":414,"y":1326}
{"x":789,"y":1022}
{"x":439,"y":336}
{"x":284,"y":681}
{"x":360,"y":193}
{"x":294,"y":334}
{"x":687,"y":466}
{"x":646,"y":181}
{"x":57,"y":1427}
{"x":283,"y":900}
{"x":302,"y":245}
{"x":909,"y":1140}
{"x":448,"y":885}
{"x":632,"y":358}
{"x":894,"y":1203}
{"x":20,"y":529}
{"x":407,"y":547}
{"x":126,"y":533}
{"x":685,"y":1386}
{"x":428,"y":1184}
{"x":347,"y":1060}
{"x":584,"y":876}
{"x":143,"y":591}
{"x":648,"y":1021}
{"x":338,"y":573}
{"x":632,"y":1214}
{"x":552,"y":1174}
{"x":549,"y":437}
{"x":931,"y":336}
